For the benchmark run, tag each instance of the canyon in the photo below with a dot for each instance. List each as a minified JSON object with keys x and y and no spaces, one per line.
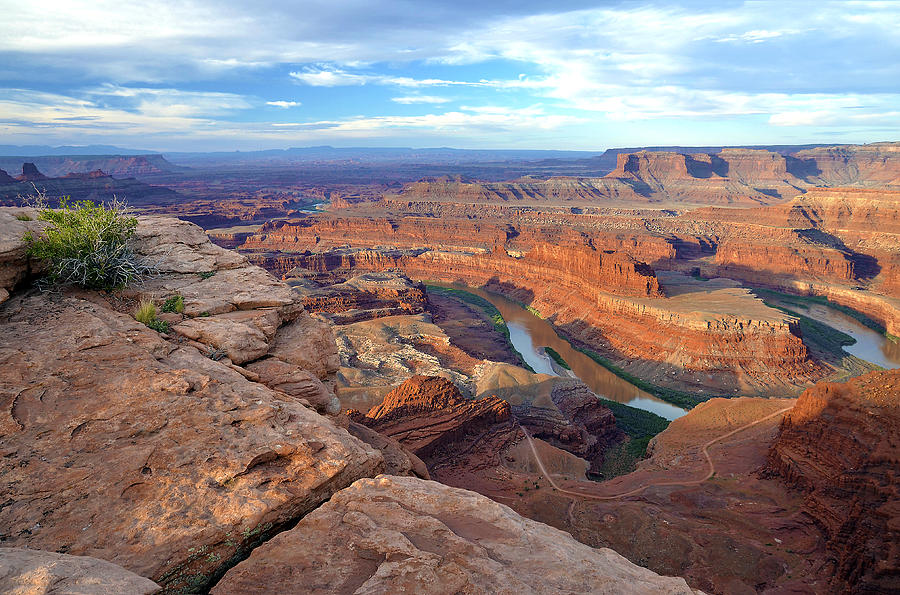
{"x":630,"y":380}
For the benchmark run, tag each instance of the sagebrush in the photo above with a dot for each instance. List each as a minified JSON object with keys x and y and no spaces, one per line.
{"x":87,"y":244}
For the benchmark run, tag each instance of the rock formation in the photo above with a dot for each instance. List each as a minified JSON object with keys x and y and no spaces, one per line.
{"x":94,"y":185}
{"x":126,"y":445}
{"x":97,"y":173}
{"x":426,"y":414}
{"x":344,"y":300}
{"x":33,"y":572}
{"x":394,"y":535}
{"x":839,"y":447}
{"x":118,"y":165}
{"x":731,"y":176}
{"x":30,"y":173}
{"x":15,"y":266}
{"x":612,"y":301}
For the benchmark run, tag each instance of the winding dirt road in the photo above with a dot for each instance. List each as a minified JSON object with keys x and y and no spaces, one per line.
{"x":705,"y":450}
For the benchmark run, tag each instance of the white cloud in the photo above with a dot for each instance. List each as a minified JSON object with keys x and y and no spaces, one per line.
{"x":332,"y":76}
{"x":827,"y":64}
{"x":327,"y":77}
{"x":411,"y":99}
{"x":759,"y":35}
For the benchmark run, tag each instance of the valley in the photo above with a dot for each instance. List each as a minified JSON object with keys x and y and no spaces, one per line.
{"x":673,"y":359}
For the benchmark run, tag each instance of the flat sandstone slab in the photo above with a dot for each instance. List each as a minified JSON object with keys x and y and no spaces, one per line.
{"x":35,"y":572}
{"x":405,"y":535}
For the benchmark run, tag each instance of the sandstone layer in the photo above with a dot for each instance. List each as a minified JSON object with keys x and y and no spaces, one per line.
{"x":427,"y":414}
{"x":33,"y":572}
{"x":613,"y":303}
{"x":731,"y":176}
{"x":840,"y":447}
{"x":393,"y":535}
{"x":157,"y":452}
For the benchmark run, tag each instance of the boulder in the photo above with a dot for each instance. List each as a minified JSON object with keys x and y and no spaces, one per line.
{"x":121,"y":445}
{"x":240,"y":342}
{"x":406,"y":535}
{"x":308,"y":343}
{"x":296,"y":382}
{"x":34,"y":572}
{"x":15,"y":266}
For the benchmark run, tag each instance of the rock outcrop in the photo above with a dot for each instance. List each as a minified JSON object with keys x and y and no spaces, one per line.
{"x":404,"y":535}
{"x":361,"y":297}
{"x":613,"y":301}
{"x":839,"y":446}
{"x":82,"y":186}
{"x":427,"y":414}
{"x":119,"y":165}
{"x":733,"y":176}
{"x":157,"y":452}
{"x":15,"y":266}
{"x":33,"y":572}
{"x":30,"y":173}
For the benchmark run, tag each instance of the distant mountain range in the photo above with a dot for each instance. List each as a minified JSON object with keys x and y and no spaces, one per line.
{"x":59,"y":161}
{"x":45,"y":150}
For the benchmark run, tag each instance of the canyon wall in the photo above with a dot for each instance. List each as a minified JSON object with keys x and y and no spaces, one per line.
{"x":120,"y":165}
{"x":838,"y":446}
{"x":611,"y":302}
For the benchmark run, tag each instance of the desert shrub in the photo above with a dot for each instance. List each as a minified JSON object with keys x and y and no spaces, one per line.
{"x":146,"y":312}
{"x":23,"y":217}
{"x":146,"y":315}
{"x":86,"y":244}
{"x":174,"y":303}
{"x":160,"y":326}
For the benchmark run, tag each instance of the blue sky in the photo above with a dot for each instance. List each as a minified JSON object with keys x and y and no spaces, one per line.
{"x":204,"y":75}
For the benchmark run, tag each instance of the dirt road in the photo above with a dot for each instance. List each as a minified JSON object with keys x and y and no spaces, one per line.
{"x":705,"y":450}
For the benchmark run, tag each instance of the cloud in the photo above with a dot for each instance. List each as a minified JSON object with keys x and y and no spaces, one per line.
{"x":167,"y":102}
{"x":807,"y":64}
{"x":331,"y":76}
{"x":467,"y":119}
{"x":411,"y":99}
{"x":759,"y":35}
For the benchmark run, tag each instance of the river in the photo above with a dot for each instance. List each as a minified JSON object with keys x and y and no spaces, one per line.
{"x":530,"y":334}
{"x":870,"y":345}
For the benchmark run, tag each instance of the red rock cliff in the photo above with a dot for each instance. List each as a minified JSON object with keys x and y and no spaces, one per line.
{"x":841,"y":446}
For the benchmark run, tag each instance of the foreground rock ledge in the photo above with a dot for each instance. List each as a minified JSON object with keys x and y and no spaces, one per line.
{"x":405,"y":535}
{"x":119,"y":443}
{"x":33,"y":572}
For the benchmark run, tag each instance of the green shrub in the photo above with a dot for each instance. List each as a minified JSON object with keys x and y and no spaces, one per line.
{"x":146,"y":312}
{"x":23,"y":217}
{"x":160,"y":326}
{"x":86,"y":244}
{"x":174,"y":304}
{"x":206,"y":274}
{"x":534,"y":311}
{"x":146,"y":315}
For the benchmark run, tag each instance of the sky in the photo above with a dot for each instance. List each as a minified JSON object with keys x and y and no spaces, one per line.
{"x":225,"y":75}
